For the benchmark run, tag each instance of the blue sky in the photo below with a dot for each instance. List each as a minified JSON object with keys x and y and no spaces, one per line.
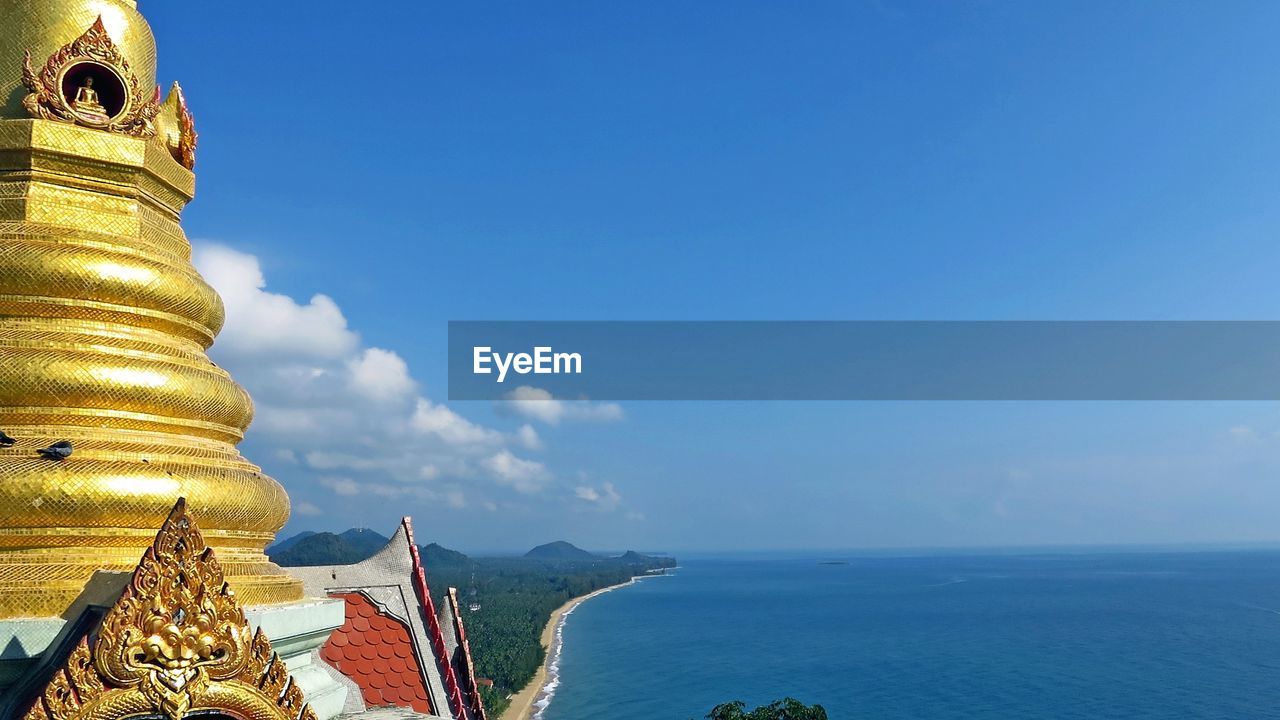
{"x":417,"y":162}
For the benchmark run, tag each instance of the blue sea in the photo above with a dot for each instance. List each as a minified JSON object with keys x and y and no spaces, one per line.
{"x":1114,"y":635}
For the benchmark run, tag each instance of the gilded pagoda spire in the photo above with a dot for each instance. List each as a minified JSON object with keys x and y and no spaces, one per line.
{"x":105,"y":323}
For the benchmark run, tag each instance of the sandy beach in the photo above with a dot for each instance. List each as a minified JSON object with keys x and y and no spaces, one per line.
{"x":525,"y":703}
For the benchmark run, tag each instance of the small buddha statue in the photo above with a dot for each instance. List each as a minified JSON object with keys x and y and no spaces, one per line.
{"x":86,"y":102}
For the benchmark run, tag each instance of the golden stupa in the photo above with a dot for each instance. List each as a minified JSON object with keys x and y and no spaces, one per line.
{"x":104,"y":322}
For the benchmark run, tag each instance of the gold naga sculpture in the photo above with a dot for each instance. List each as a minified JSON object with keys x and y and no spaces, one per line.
{"x":176,"y":643}
{"x":105,"y":323}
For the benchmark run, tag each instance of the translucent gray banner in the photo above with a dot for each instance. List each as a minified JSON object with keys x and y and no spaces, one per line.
{"x":865,"y":360}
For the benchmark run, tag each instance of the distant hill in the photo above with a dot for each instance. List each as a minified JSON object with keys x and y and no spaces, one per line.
{"x":318,"y":549}
{"x":631,"y":557}
{"x":285,"y":544}
{"x":325,"y":548}
{"x":364,"y":540}
{"x":434,"y":556}
{"x":351,"y":546}
{"x":559,"y":550}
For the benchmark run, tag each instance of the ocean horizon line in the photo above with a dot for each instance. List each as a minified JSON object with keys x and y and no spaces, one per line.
{"x":977,"y":550}
{"x":918,"y":550}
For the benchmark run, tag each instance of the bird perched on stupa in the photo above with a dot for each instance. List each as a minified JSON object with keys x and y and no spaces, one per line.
{"x":5,"y":440}
{"x":60,"y":450}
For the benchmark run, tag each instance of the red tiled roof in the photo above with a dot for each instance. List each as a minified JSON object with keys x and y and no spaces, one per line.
{"x":375,"y":651}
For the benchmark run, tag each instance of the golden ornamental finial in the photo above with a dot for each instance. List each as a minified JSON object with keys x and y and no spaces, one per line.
{"x":177,"y":127}
{"x":175,"y":643}
{"x":88,"y":82}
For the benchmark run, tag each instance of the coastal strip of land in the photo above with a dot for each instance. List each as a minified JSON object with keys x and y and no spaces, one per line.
{"x":524,"y":704}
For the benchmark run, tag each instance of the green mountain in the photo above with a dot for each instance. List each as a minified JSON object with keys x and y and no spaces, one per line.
{"x":285,"y":544}
{"x":434,"y":556}
{"x":352,"y":546}
{"x":559,"y":550}
{"x":364,"y":540}
{"x":311,"y":548}
{"x":318,"y":549}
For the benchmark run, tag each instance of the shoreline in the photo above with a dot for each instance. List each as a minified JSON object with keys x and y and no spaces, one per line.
{"x":536,"y":695}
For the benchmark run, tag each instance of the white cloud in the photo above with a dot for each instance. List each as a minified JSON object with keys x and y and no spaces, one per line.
{"x":526,"y":476}
{"x":528,"y":437}
{"x":450,"y":495}
{"x":539,"y":404}
{"x":440,"y":421}
{"x":606,"y":497}
{"x":380,"y":375}
{"x":352,"y":415}
{"x":309,"y":509}
{"x":264,"y":322}
{"x":320,"y":460}
{"x":341,"y":486}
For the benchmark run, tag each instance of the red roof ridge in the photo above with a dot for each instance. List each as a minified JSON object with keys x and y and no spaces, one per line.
{"x":476,"y":703}
{"x":433,"y":623}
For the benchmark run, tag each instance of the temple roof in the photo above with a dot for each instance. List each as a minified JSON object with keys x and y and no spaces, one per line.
{"x":388,"y":594}
{"x":375,"y":650}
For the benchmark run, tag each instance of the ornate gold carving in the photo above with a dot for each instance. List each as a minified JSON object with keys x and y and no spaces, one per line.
{"x":176,"y":127}
{"x":48,"y":97}
{"x":177,"y":626}
{"x":176,"y":642}
{"x":187,"y":135}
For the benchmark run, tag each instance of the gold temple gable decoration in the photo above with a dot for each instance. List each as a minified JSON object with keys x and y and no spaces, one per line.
{"x":177,"y":127}
{"x":175,"y":643}
{"x":187,"y":135}
{"x":88,"y":82}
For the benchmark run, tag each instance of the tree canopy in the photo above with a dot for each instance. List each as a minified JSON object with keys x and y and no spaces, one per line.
{"x":786,"y":709}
